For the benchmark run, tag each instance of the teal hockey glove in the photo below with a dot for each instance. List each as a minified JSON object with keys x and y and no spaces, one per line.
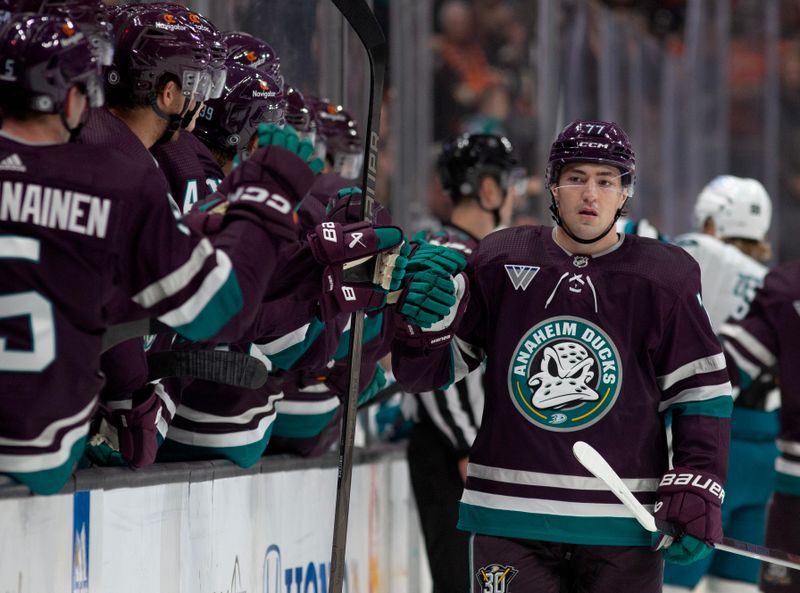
{"x":286,"y":137}
{"x":428,"y":298}
{"x":435,"y":257}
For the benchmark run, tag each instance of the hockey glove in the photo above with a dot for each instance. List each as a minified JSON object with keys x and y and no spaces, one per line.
{"x":692,"y":500}
{"x":428,"y":256}
{"x":345,"y":208}
{"x":286,"y":137}
{"x":266,"y":189}
{"x":361,"y":262}
{"x":430,"y":309}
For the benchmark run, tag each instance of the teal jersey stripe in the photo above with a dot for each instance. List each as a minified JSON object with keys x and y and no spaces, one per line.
{"x":718,"y":407}
{"x":286,"y":359}
{"x":225,"y":303}
{"x":599,"y":531}
{"x":372,"y":328}
{"x":301,"y":426}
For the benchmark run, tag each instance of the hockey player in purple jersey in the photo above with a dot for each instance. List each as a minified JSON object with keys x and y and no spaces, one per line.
{"x":81,"y":226}
{"x":250,"y":51}
{"x":338,"y":135}
{"x":587,"y":335}
{"x":474,"y":171}
{"x":769,"y":337}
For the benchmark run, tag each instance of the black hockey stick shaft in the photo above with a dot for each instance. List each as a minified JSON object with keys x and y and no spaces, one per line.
{"x":360,"y":17}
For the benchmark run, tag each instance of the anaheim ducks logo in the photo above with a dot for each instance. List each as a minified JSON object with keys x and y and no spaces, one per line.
{"x":194,"y":19}
{"x":251,"y":56}
{"x":68,"y":29}
{"x":170,"y":19}
{"x":565,"y":374}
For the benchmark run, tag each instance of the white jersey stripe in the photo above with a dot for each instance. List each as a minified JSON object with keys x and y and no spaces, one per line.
{"x":790,"y":447}
{"x":193,"y":306}
{"x":785,"y":466}
{"x":748,"y":341}
{"x":224,"y":440}
{"x":206,"y":418}
{"x":307,"y":407}
{"x":284,"y":342}
{"x":709,"y":364}
{"x":748,"y":367}
{"x":545,"y":507}
{"x":45,"y":461}
{"x":697,"y":394}
{"x":178,"y":279}
{"x":528,"y":478}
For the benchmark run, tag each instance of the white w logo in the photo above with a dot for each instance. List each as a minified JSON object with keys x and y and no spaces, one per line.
{"x":521,"y":276}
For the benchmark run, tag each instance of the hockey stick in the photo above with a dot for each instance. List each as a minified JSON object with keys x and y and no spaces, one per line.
{"x":227,"y":368}
{"x":362,"y":20}
{"x":116,"y":334}
{"x":597,"y":466}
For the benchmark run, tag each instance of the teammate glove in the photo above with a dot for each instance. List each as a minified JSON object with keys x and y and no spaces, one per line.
{"x":428,"y":256}
{"x":362,"y":263}
{"x":692,"y":500}
{"x":286,"y":137}
{"x":266,"y":189}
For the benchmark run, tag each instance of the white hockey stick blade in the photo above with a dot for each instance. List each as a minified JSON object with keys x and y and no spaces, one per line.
{"x":598,"y":467}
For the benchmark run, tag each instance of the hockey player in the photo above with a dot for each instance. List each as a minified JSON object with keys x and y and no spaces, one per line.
{"x":81,"y":226}
{"x":474,"y":170}
{"x":338,"y":134}
{"x":769,"y":337}
{"x":732,"y":216}
{"x":587,"y":335}
{"x":250,"y":51}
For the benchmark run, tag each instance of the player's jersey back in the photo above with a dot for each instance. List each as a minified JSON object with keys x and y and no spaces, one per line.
{"x":61,"y":246}
{"x":729,"y":277}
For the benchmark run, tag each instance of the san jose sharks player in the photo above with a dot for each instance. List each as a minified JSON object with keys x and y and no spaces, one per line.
{"x":769,"y":337}
{"x":732,"y":216}
{"x":605,"y":335}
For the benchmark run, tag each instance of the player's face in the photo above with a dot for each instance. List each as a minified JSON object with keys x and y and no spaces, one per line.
{"x":588,"y":196}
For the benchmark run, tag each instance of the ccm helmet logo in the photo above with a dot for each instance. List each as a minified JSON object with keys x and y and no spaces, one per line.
{"x":695,"y":480}
{"x":587,"y":144}
{"x":259,"y":194}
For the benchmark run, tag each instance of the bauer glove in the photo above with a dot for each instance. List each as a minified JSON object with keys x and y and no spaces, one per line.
{"x":692,"y":500}
{"x":362,"y":263}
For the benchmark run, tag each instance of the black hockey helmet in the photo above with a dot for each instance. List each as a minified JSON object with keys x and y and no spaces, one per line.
{"x":467,"y":158}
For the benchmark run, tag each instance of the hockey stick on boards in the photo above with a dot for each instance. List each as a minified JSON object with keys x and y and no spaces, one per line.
{"x":363,"y":22}
{"x":597,"y":466}
{"x":217,"y":366}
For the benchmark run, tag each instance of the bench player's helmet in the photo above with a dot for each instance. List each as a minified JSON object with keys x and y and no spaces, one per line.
{"x":591,"y":141}
{"x":251,"y":97}
{"x":338,"y":133}
{"x":44,"y":57}
{"x":91,"y":16}
{"x":248,"y":50}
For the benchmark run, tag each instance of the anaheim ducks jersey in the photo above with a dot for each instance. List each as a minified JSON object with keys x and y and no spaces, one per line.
{"x":767,"y":337}
{"x":592,"y":348}
{"x":729,"y":277}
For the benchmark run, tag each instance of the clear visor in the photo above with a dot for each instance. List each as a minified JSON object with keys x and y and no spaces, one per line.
{"x":602,"y":184}
{"x":196,"y":84}
{"x":218,"y":77}
{"x":94,"y":91}
{"x":348,"y":165}
{"x":274,"y":114}
{"x":103,"y":50}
